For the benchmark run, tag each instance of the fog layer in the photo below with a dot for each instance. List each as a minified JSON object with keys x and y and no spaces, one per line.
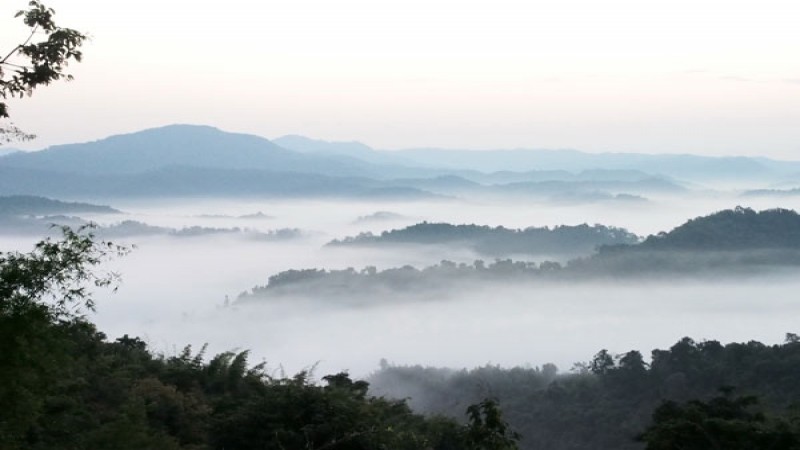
{"x":174,"y":290}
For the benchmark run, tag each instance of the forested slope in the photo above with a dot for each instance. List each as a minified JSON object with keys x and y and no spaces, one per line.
{"x":607,"y":402}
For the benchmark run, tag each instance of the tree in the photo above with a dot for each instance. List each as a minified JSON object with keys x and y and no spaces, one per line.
{"x":602,"y":363}
{"x":38,"y":60}
{"x":487,"y":430}
{"x":724,"y":422}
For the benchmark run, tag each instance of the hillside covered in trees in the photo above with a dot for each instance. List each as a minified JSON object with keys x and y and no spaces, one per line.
{"x":607,"y":402}
{"x":499,"y":241}
{"x":733,"y":229}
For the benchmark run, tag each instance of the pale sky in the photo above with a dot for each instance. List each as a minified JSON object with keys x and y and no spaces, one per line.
{"x":699,"y":76}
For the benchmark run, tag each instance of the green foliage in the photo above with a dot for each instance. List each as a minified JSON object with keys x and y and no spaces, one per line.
{"x":602,"y":363}
{"x":487,"y":430}
{"x":40,"y":59}
{"x":723,"y":422}
{"x":55,"y":277}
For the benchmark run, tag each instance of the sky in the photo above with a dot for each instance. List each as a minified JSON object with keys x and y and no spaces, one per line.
{"x":678,"y":76}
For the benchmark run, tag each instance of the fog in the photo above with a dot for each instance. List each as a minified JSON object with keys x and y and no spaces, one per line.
{"x":338,"y":218}
{"x":521,"y":325}
{"x":174,"y":289}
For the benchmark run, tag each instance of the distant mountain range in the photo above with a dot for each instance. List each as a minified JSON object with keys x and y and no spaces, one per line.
{"x":7,"y":151}
{"x":684,"y":167}
{"x":538,"y":162}
{"x":187,"y":160}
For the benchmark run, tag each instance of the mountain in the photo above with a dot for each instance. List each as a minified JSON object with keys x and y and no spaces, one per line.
{"x":383,"y":164}
{"x":7,"y":151}
{"x":27,"y":214}
{"x":200,"y":160}
{"x":352,"y":149}
{"x":681,"y":166}
{"x":178,"y":145}
{"x":183,"y":181}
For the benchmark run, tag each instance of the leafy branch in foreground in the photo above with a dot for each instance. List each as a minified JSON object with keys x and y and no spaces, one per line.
{"x":57,"y":275}
{"x":38,"y":60}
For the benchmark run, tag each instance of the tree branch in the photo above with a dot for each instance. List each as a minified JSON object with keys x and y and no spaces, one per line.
{"x":20,"y":46}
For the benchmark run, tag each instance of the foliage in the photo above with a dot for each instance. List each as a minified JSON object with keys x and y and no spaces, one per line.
{"x":40,"y":59}
{"x":723,"y":422}
{"x":56,"y":271}
{"x":610,"y":403}
{"x":488,"y":429}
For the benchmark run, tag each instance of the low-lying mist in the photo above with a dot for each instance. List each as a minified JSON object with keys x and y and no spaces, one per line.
{"x":475,"y":325}
{"x":174,"y":290}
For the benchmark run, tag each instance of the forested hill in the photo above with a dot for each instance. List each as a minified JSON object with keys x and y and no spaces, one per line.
{"x":733,"y":229}
{"x":500,"y":241}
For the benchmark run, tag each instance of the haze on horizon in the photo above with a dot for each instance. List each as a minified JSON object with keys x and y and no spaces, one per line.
{"x":710,"y":77}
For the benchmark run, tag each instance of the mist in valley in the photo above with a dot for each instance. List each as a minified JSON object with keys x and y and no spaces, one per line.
{"x":181,"y":291}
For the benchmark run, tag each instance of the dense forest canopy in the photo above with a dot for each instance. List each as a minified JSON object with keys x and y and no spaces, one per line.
{"x":607,"y":401}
